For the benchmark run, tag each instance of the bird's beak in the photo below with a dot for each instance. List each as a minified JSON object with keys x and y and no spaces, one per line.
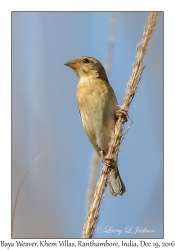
{"x":73,"y":64}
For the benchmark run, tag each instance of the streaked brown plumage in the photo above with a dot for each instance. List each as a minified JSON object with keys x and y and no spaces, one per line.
{"x":97,"y":105}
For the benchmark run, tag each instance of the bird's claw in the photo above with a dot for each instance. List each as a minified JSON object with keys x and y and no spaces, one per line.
{"x":107,"y":161}
{"x":122,"y":113}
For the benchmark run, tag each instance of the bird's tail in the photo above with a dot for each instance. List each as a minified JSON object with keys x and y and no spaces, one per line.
{"x":115,"y":183}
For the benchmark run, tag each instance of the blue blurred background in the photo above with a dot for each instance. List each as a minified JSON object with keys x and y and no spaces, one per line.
{"x":52,"y":199}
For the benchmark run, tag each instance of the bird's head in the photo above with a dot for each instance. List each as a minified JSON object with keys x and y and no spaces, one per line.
{"x":85,"y":66}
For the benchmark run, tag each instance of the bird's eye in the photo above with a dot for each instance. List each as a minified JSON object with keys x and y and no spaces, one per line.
{"x":86,"y":60}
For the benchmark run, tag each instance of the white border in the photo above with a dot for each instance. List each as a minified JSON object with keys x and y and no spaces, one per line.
{"x":5,"y":94}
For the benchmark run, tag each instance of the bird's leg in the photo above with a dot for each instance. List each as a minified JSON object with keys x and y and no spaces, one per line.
{"x":123,"y":113}
{"x":107,"y":161}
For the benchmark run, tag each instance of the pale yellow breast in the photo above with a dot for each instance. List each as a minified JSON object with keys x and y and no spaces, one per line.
{"x":97,"y":105}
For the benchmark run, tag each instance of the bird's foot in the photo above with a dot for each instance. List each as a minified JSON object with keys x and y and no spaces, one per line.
{"x":107,"y":161}
{"x":122,"y":113}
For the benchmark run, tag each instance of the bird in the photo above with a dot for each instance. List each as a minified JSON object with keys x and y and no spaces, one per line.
{"x":97,"y":106}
